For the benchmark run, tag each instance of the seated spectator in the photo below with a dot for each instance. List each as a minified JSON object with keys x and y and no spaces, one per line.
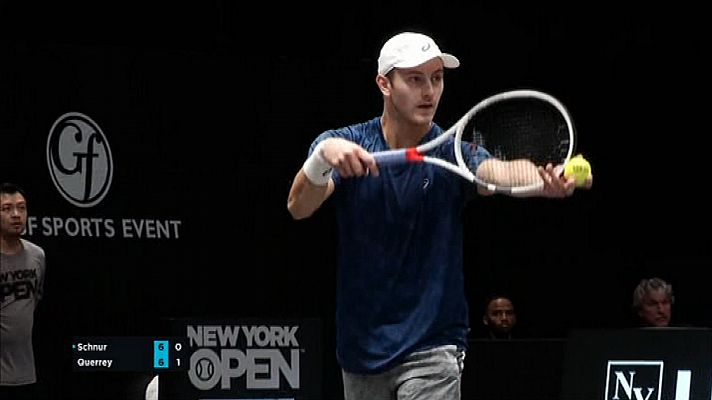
{"x":499,"y":317}
{"x":652,"y":303}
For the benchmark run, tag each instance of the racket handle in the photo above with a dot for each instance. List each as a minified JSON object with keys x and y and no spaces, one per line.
{"x":390,"y":157}
{"x":399,"y":156}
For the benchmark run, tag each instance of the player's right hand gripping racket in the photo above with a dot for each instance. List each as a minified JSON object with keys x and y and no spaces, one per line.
{"x":513,"y":125}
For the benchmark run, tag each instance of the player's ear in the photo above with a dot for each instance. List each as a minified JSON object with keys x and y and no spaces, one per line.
{"x":384,"y":84}
{"x":485,"y":321}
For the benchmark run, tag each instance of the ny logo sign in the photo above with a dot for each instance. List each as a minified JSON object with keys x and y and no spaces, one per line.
{"x":634,"y":380}
{"x":642,"y":380}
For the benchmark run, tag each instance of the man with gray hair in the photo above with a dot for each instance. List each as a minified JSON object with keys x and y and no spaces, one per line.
{"x":652,"y":302}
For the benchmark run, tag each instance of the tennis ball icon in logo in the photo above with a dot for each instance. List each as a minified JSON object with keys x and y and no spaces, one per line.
{"x":579,"y":168}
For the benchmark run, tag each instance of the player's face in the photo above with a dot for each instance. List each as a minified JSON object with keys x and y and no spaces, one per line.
{"x":417,"y":91}
{"x":656,"y":309}
{"x":13,"y":214}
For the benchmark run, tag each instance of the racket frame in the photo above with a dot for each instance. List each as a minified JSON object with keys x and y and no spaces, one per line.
{"x":419,"y":153}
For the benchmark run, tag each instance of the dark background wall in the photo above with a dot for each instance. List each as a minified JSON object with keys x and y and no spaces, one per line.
{"x":210,"y":107}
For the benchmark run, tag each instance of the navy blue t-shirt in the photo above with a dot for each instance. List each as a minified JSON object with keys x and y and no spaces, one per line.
{"x":400,"y":280}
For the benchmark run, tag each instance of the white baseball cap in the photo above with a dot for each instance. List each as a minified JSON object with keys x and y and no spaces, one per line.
{"x":410,"y":49}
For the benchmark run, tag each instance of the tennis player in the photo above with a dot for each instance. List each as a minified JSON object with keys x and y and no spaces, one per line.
{"x":402,"y":314}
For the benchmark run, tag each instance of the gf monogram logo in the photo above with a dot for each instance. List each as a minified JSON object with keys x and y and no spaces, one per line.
{"x":79,"y":159}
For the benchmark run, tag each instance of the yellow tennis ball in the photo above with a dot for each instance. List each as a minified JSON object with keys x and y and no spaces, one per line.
{"x":579,"y":168}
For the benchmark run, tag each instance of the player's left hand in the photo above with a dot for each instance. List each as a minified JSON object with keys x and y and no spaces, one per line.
{"x":555,"y":184}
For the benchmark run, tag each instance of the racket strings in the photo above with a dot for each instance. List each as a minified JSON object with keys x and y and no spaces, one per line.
{"x":522,"y":129}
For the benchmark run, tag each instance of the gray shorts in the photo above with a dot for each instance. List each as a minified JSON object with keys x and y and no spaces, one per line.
{"x":430,"y":374}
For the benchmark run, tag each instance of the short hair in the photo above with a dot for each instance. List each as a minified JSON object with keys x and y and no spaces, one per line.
{"x":648,"y":285}
{"x":496,"y":296}
{"x":11,"y":188}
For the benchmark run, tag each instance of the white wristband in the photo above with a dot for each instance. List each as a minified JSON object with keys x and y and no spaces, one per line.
{"x":317,"y":170}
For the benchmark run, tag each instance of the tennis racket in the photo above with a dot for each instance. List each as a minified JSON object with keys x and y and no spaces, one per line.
{"x":515,"y":125}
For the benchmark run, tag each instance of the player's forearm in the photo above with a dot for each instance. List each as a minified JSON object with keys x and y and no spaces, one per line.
{"x":306,"y":197}
{"x":508,"y":173}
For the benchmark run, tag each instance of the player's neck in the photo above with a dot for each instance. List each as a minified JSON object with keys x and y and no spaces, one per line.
{"x":10,"y":245}
{"x":400,"y":133}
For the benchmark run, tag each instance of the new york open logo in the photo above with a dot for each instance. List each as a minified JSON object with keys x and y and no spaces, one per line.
{"x":79,"y":159}
{"x":251,"y":357}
